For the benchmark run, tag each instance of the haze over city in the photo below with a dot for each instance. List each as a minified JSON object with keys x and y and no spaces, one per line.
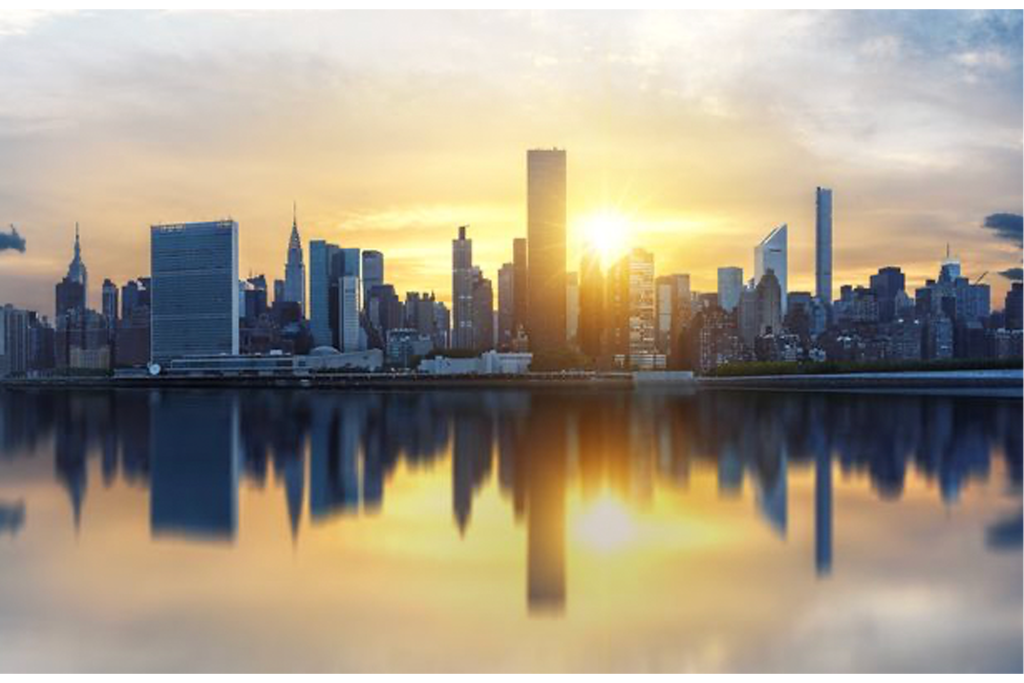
{"x":693,"y":133}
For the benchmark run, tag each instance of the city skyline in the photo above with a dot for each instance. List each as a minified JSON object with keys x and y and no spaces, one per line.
{"x":903,"y":160}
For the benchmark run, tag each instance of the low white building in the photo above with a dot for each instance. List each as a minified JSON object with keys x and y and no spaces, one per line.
{"x":321,"y":359}
{"x":489,"y":363}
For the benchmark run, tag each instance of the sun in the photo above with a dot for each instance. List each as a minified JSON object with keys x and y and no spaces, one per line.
{"x":605,"y":232}
{"x":605,"y":524}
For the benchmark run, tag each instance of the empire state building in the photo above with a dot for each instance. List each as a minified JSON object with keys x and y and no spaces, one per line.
{"x":73,"y":291}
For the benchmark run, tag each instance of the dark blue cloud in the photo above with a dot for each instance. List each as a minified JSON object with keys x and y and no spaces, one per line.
{"x":1008,"y":226}
{"x":12,"y":240}
{"x":1015,"y":274}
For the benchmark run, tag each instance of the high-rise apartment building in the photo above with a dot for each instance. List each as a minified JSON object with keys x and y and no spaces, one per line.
{"x":823,"y":245}
{"x":730,"y":284}
{"x":194,"y":289}
{"x":462,"y":291}
{"x":546,"y":219}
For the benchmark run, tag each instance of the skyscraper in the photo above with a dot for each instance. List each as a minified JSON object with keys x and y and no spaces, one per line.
{"x":295,"y":269}
{"x":546,"y":217}
{"x":572,"y":306}
{"x":345,"y":295}
{"x":194,"y":287}
{"x":321,"y":256}
{"x":110,"y":303}
{"x":349,"y":296}
{"x":506,"y":304}
{"x":823,"y":245}
{"x":730,"y":284}
{"x":664,"y":299}
{"x":373,"y":272}
{"x":641,"y":307}
{"x":887,"y":284}
{"x":591,"y":322}
{"x":772,"y":254}
{"x":77,"y":271}
{"x":520,"y":284}
{"x":483,"y":312}
{"x":769,"y":304}
{"x":462,"y":291}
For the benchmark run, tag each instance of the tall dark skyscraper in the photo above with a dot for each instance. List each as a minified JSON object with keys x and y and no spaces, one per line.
{"x":462,"y":291}
{"x":823,"y":245}
{"x":545,"y":224}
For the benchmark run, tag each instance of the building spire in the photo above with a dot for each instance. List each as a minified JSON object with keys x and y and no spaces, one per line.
{"x":78,"y":248}
{"x":295,"y":223}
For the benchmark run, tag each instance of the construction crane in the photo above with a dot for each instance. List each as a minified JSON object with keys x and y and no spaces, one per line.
{"x":981,"y":277}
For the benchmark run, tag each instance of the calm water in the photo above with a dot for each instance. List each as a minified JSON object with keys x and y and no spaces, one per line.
{"x":275,"y":530}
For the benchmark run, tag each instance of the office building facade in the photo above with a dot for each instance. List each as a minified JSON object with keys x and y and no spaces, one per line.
{"x":546,"y":239}
{"x":194,"y":289}
{"x":773,"y":254}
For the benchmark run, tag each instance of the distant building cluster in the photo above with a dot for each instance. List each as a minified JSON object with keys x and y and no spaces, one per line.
{"x":193,"y":306}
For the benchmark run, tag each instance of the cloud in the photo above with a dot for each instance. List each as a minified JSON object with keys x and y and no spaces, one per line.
{"x":1008,"y":226}
{"x":1015,"y":274}
{"x":12,"y":240}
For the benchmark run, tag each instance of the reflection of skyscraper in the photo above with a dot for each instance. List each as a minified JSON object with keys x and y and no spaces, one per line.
{"x":545,"y":209}
{"x":471,"y":462}
{"x":823,"y":512}
{"x":334,"y":466}
{"x":545,"y":506}
{"x":294,"y":485}
{"x":772,"y":494}
{"x":72,"y":472}
{"x":195,"y":469}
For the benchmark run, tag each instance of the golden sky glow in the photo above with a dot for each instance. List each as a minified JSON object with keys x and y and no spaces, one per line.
{"x":703,"y":130}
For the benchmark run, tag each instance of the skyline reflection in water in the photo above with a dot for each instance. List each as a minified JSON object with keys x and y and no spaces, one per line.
{"x":626,"y":483}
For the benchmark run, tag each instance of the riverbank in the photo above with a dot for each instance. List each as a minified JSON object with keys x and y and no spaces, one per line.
{"x":984,"y":382}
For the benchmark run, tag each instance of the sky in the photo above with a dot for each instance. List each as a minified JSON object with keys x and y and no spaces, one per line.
{"x":700,"y":131}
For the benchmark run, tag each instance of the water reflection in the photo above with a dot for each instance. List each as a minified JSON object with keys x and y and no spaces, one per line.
{"x":334,"y":453}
